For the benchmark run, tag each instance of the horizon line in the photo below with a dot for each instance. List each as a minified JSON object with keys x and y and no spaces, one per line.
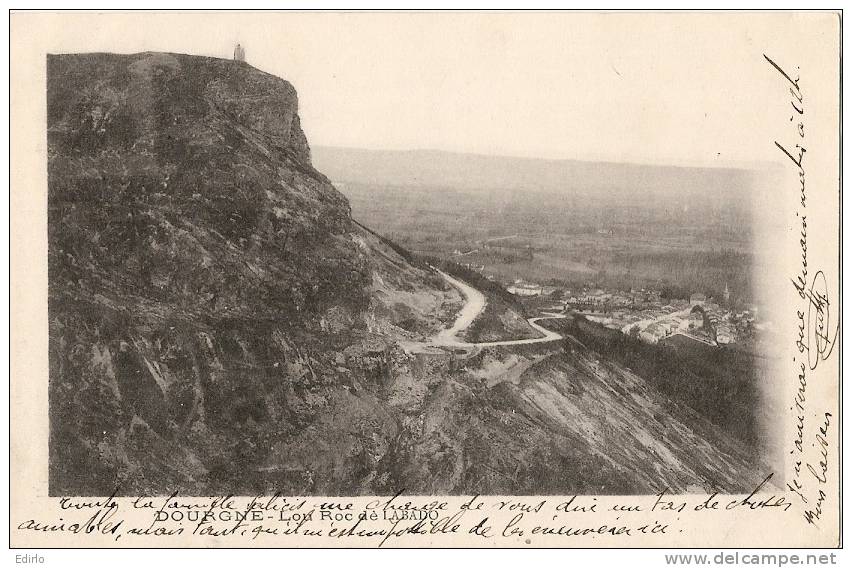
{"x":734,"y":165}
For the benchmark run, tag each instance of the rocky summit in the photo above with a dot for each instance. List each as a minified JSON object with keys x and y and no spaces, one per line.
{"x":220,"y":324}
{"x":211,"y":300}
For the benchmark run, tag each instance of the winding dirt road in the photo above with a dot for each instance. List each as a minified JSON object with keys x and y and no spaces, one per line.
{"x":474,"y":305}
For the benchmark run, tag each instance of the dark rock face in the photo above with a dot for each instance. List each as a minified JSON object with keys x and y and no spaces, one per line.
{"x":202,"y":277}
{"x":181,"y":164}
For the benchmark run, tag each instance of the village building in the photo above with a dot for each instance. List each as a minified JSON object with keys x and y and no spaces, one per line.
{"x":724,"y":334}
{"x":653,"y":333}
{"x":695,"y":320}
{"x":548,"y":290}
{"x":521,"y":288}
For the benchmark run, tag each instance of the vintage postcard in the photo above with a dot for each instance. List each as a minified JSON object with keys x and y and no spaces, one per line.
{"x":425,"y":279}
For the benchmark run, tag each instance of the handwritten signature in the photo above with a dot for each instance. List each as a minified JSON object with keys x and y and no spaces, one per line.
{"x":817,"y":337}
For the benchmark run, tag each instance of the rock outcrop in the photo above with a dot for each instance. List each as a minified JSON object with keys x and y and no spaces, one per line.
{"x":204,"y":282}
{"x":219,"y":323}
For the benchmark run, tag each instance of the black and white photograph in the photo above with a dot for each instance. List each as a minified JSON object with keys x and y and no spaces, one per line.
{"x":438,"y":254}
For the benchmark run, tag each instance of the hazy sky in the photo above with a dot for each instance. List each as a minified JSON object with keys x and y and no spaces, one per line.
{"x":682,"y":89}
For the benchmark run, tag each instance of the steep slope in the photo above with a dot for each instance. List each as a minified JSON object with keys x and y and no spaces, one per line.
{"x":559,"y":419}
{"x":219,"y":324}
{"x":210,"y":296}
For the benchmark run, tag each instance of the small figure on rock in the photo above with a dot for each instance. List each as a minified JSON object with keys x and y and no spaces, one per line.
{"x":239,"y":53}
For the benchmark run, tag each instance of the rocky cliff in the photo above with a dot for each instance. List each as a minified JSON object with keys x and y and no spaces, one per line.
{"x":210,"y":298}
{"x":219,"y":324}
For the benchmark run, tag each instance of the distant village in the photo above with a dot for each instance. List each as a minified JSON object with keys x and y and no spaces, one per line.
{"x":645,"y":314}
